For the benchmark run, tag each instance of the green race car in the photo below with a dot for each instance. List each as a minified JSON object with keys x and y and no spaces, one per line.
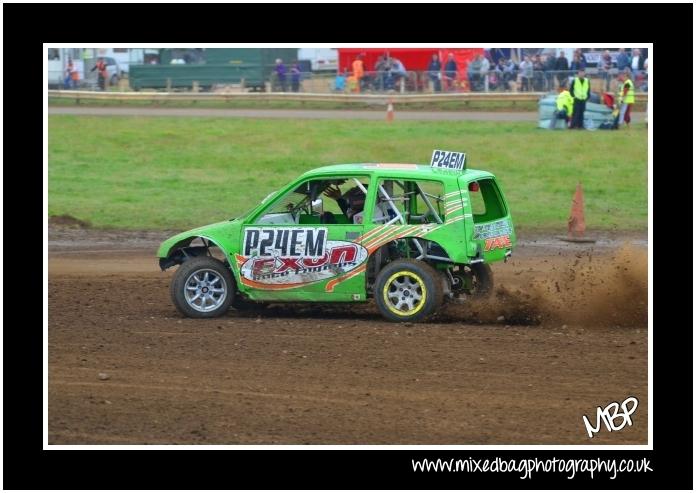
{"x":410,"y":236}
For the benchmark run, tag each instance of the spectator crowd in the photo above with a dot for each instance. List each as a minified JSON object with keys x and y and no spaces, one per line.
{"x":540,"y":72}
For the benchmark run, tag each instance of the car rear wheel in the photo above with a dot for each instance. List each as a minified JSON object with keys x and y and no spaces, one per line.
{"x":408,"y":290}
{"x":202,"y":288}
{"x":475,"y":280}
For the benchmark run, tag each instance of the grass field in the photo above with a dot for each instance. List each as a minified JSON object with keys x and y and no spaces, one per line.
{"x":177,"y":173}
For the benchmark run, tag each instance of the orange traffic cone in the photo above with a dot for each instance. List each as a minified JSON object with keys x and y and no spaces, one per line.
{"x":390,"y":111}
{"x":576,"y":222}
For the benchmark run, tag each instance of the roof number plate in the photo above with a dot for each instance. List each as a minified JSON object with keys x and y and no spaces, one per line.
{"x":448,"y":160}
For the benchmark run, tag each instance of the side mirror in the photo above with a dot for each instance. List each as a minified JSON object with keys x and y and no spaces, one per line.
{"x":318,"y":206}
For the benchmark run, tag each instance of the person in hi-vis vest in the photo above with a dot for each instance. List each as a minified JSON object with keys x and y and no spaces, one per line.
{"x":564,"y":106}
{"x":580,"y":90}
{"x":626,"y":97}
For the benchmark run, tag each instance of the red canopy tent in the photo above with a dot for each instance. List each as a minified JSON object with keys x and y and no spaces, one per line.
{"x":416,"y":59}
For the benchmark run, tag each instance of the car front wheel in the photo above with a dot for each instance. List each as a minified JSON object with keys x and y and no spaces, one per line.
{"x":202,"y":288}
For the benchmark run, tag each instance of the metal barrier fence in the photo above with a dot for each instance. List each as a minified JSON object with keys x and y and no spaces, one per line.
{"x":375,"y":99}
{"x":409,"y":82}
{"x":490,"y":81}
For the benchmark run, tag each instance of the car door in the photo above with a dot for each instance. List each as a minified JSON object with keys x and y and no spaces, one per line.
{"x":290,"y":251}
{"x":494,"y":234}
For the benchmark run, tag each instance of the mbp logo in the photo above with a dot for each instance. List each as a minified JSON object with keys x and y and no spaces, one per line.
{"x":609,"y":415}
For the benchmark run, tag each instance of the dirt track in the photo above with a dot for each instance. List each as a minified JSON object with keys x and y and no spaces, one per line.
{"x":574,"y":337}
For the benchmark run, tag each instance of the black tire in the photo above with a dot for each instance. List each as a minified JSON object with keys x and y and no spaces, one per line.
{"x":114,"y":80}
{"x":428,"y":284}
{"x":476,"y":280}
{"x":184,"y":280}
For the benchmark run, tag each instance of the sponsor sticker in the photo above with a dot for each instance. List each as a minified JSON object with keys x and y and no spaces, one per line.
{"x":278,"y":256}
{"x":497,"y":242}
{"x":490,"y":230}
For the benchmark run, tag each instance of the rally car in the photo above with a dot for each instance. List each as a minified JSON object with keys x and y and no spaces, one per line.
{"x":408,"y":236}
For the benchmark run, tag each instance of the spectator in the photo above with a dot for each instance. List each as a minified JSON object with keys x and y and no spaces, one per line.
{"x":500,"y":66}
{"x":622,"y":60}
{"x":382,"y":72}
{"x":644,"y":87}
{"x":636,"y":63}
{"x":580,"y":90}
{"x":340,"y":83}
{"x":388,"y":73}
{"x":564,"y":106}
{"x":102,"y":73}
{"x":526,"y":73}
{"x":626,"y":97}
{"x":280,"y":72}
{"x":605,"y":64}
{"x":71,"y":75}
{"x":295,"y":77}
{"x":577,"y":63}
{"x":485,"y":68}
{"x":550,"y":70}
{"x":509,"y":72}
{"x":434,"y":72}
{"x":359,"y":71}
{"x":473,"y":73}
{"x":352,"y":84}
{"x":538,"y":74}
{"x":450,"y":72}
{"x":494,"y":79}
{"x":398,"y":71}
{"x":562,"y":68}
{"x":583,"y":60}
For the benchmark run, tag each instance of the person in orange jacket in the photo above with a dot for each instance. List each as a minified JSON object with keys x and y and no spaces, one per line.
{"x":359,"y":71}
{"x":103,"y":74}
{"x":70,"y":82}
{"x":75,"y":76}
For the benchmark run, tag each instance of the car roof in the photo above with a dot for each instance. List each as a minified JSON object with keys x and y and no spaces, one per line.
{"x":400,"y":170}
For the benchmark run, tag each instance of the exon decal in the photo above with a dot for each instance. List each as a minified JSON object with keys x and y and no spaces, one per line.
{"x":497,"y":242}
{"x":280,"y":256}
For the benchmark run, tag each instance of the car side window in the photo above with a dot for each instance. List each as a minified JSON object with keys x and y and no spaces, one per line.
{"x":486,"y":201}
{"x":328,"y":200}
{"x":409,"y":202}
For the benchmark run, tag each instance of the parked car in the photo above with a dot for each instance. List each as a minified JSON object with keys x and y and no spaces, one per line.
{"x":409,"y":236}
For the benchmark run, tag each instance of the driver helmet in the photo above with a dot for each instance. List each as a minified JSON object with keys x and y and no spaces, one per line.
{"x":355,"y":198}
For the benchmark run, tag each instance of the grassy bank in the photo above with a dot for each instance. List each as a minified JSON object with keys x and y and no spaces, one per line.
{"x":176,"y":173}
